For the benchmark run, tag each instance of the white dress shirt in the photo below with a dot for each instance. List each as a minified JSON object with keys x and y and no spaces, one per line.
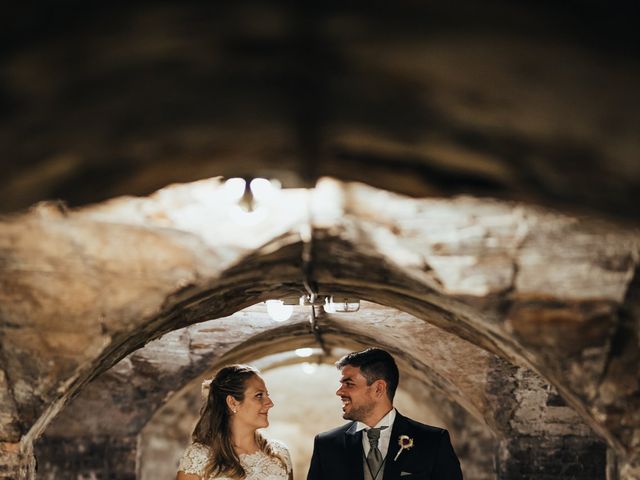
{"x":385,"y":435}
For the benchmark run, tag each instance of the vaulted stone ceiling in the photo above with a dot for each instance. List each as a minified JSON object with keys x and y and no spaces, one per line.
{"x":532,"y":101}
{"x":510,"y":103}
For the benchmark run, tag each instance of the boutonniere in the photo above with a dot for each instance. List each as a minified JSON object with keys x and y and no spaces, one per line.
{"x":405,"y":443}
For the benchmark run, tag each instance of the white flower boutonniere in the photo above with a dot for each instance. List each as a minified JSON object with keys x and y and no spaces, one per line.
{"x":405,"y":443}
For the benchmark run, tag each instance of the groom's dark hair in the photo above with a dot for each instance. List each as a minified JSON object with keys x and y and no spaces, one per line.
{"x":375,"y":364}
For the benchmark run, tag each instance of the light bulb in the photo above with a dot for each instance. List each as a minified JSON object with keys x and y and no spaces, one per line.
{"x":233,"y":189}
{"x":304,"y":352}
{"x":248,"y":201}
{"x":278,"y":311}
{"x":264,"y":190}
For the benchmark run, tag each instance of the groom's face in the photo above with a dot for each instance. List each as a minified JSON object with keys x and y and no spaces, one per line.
{"x":358,"y":400}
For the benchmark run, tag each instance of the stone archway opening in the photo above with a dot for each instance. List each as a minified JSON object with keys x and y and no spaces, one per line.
{"x":481,"y":398}
{"x":306,"y":404}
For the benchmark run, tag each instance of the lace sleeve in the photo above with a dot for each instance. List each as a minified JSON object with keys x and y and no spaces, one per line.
{"x":194,"y":460}
{"x":282,"y":450}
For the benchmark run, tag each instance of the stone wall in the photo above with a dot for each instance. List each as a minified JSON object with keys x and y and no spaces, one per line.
{"x":82,"y":458}
{"x":551,"y":458}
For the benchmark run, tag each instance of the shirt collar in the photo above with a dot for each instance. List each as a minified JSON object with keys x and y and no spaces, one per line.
{"x":386,"y":421}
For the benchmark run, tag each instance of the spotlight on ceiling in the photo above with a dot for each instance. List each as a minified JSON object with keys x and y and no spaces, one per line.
{"x":233,"y":189}
{"x":249,"y":199}
{"x":341,"y":304}
{"x":264,"y":190}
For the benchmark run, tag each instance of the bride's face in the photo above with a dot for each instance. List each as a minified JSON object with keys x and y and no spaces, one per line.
{"x":253,"y":411}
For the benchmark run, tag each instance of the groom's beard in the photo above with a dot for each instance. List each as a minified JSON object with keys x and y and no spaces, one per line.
{"x":358,"y":413}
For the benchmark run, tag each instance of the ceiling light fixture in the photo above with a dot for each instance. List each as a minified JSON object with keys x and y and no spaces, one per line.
{"x":340,"y":304}
{"x":282,"y":309}
{"x":249,"y":199}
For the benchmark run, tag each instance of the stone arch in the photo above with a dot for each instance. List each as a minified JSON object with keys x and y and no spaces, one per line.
{"x":283,"y":338}
{"x":356,"y":228}
{"x":167,"y":433}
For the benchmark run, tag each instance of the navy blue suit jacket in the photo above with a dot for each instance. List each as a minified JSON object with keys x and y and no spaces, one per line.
{"x":338,"y":454}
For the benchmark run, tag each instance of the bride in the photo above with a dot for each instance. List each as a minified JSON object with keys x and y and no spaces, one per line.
{"x":226,"y":444}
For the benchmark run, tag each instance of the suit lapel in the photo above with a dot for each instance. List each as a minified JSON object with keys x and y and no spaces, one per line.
{"x":353,"y":450}
{"x":392,"y":467}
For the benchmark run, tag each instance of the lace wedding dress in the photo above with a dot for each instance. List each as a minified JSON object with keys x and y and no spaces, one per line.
{"x":258,"y":466}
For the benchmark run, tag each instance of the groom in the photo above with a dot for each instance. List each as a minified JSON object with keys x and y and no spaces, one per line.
{"x":379,"y":443}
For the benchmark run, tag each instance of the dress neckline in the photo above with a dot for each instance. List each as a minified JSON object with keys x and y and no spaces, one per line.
{"x":245,"y":455}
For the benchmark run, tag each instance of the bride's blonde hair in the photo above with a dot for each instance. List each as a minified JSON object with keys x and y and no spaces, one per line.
{"x":214,"y":427}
